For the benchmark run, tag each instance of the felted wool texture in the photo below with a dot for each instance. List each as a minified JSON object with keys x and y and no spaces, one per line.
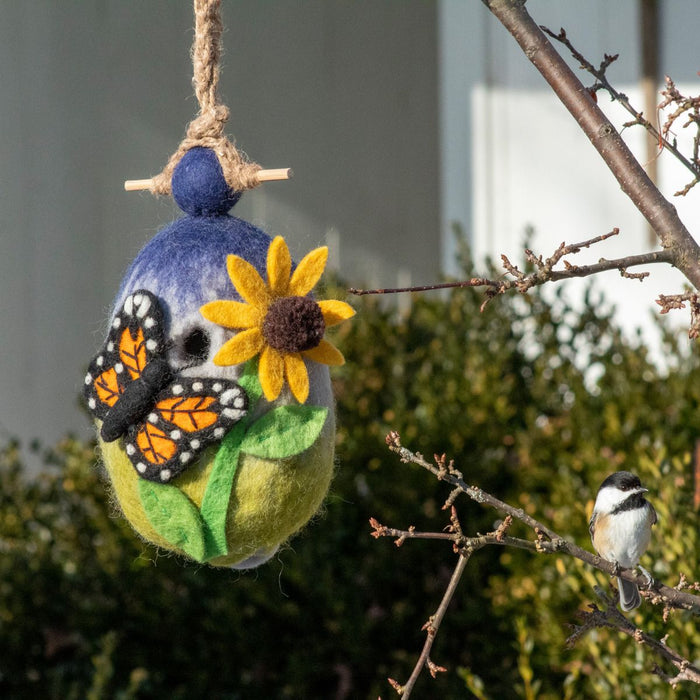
{"x":271,"y":499}
{"x":198,"y":184}
{"x":184,"y":265}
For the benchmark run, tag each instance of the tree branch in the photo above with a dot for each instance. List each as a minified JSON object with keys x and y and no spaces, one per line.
{"x":612,"y":618}
{"x":660,"y":213}
{"x":431,"y":628}
{"x":543,"y":271}
{"x":602,"y":83}
{"x":547,"y":541}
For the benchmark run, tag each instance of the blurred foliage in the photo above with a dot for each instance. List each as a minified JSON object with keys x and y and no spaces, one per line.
{"x":536,"y":402}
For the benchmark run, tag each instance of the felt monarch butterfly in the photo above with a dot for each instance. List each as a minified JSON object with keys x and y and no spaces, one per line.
{"x":166,"y":419}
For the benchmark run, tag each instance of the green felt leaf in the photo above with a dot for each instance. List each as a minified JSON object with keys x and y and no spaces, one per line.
{"x":218,"y":492}
{"x":173,"y":516}
{"x":284,"y":431}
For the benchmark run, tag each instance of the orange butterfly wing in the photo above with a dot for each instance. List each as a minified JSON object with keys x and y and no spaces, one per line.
{"x":181,"y":425}
{"x":168,"y":419}
{"x":155,"y":445}
{"x":132,"y":351}
{"x":107,"y":387}
{"x":189,"y":413}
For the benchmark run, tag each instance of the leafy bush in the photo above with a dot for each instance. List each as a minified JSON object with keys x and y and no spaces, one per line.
{"x":536,"y":402}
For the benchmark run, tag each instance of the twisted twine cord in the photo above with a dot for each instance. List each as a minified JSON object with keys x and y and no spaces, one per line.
{"x":207,"y":128}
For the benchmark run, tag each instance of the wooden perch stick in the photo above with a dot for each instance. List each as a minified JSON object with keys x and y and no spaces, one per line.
{"x":262,"y":176}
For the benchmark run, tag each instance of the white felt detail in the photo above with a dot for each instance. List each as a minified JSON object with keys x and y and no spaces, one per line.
{"x":229,"y":396}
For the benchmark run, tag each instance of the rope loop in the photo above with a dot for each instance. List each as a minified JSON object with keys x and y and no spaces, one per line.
{"x":207,"y":128}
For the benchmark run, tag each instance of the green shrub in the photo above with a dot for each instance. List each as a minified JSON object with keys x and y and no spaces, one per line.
{"x":536,"y":402}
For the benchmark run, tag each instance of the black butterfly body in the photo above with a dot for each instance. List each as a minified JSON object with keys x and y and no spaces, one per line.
{"x":166,"y":419}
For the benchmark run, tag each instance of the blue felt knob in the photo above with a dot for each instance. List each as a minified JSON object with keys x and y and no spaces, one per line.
{"x":198,"y":184}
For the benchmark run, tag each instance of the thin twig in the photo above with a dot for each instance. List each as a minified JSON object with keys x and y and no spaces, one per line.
{"x":543,"y":271}
{"x":635,"y":183}
{"x":548,"y":541}
{"x":612,"y":618}
{"x":431,"y":628}
{"x":602,"y":83}
{"x":667,"y":302}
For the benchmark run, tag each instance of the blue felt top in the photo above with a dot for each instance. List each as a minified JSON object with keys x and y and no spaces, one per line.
{"x":185,"y":263}
{"x":198,"y":184}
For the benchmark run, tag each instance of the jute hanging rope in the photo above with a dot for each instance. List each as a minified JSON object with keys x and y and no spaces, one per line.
{"x":211,"y":393}
{"x":207,"y":128}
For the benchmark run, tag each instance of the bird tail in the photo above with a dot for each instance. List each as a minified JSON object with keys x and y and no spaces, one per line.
{"x":629,"y":595}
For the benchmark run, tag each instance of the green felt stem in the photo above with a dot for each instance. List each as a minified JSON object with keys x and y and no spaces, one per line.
{"x":283,"y":432}
{"x":250,"y":382}
{"x":214,"y":507}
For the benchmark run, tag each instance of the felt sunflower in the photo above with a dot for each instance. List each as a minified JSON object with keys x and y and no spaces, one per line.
{"x":278,"y":320}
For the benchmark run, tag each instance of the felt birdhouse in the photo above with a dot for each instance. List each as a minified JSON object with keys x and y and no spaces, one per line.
{"x":211,"y":394}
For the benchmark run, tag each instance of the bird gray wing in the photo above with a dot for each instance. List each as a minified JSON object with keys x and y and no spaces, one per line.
{"x":591,"y":523}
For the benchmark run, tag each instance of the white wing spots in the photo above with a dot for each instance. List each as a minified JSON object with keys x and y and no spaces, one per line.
{"x":175,"y":434}
{"x":130,"y":450}
{"x":219,"y":432}
{"x":165,"y":474}
{"x":141,"y":467}
{"x":197,"y":386}
{"x":195,"y":444}
{"x":217,"y":387}
{"x":129,"y":306}
{"x":185,"y":457}
{"x":144,"y":307}
{"x":88,"y":378}
{"x":151,"y":345}
{"x":153,"y":418}
{"x":149,"y":322}
{"x":117,"y":322}
{"x":138,"y":298}
{"x":92,"y":403}
{"x":100,"y":360}
{"x":110,"y":346}
{"x":177,"y":389}
{"x":230,"y":396}
{"x":119,"y":368}
{"x":232,"y":413}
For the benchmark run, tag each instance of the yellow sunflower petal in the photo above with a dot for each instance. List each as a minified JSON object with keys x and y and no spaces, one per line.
{"x":232,"y":314}
{"x":297,"y":376}
{"x":308,"y":272}
{"x":247,"y":281}
{"x":335,"y":311}
{"x":240,"y":348}
{"x":271,"y":373}
{"x":279,"y":267}
{"x":326,"y":353}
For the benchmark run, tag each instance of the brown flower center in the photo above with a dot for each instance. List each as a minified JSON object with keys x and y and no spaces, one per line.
{"x":293,"y":324}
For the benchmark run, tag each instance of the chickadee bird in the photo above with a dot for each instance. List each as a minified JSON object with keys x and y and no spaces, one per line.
{"x":621,"y":528}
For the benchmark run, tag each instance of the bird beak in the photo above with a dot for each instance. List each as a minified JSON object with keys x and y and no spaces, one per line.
{"x":643,"y":490}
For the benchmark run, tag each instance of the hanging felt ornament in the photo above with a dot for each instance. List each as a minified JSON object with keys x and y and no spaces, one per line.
{"x":211,"y":394}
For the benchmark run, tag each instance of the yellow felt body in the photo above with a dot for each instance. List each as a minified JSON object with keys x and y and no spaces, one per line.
{"x":271,"y":499}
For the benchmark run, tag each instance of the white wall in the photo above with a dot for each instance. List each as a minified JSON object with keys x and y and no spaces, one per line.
{"x":96,"y":92}
{"x":397,"y":116}
{"x":528,"y":164}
